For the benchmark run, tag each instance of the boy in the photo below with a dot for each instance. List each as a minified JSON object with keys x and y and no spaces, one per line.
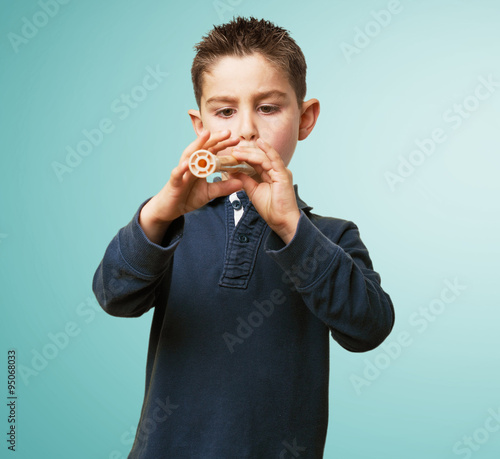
{"x":246,"y":283}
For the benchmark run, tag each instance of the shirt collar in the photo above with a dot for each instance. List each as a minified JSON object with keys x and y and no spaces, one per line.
{"x":300,"y":203}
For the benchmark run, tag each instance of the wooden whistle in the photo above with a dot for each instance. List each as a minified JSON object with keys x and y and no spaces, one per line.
{"x":202,"y":163}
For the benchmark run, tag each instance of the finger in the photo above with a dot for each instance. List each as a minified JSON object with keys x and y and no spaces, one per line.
{"x":262,"y":167}
{"x":217,"y":137}
{"x":231,"y":142}
{"x":261,"y":146}
{"x":178,"y":173}
{"x":277,"y":169}
{"x":248,"y":183}
{"x":195,"y":145}
{"x":224,"y":188}
{"x":265,"y":177}
{"x":259,"y":176}
{"x":272,"y":154}
{"x":205,"y":140}
{"x":252,"y":156}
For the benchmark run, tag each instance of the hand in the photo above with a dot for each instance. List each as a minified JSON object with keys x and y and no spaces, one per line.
{"x":184,"y":192}
{"x":273,"y":196}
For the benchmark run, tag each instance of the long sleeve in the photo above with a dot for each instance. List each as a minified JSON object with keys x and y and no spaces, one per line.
{"x":133,"y":267}
{"x":330,"y":267}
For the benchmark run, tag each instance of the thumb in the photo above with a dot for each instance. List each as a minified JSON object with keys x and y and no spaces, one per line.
{"x":224,"y":188}
{"x":249,"y":184}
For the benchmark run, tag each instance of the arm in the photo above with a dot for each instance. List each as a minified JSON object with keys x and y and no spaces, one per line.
{"x":140,"y":255}
{"x":184,"y":192}
{"x":132,"y":268}
{"x":337,"y":282}
{"x":333,"y":274}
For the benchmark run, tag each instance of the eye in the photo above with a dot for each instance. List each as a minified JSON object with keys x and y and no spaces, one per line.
{"x":268,"y":109}
{"x":225,"y":112}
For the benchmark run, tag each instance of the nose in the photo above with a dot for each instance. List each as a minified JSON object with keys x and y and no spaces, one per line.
{"x":247,"y":128}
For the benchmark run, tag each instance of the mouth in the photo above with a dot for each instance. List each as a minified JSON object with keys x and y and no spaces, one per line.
{"x":229,"y":150}
{"x":250,"y":145}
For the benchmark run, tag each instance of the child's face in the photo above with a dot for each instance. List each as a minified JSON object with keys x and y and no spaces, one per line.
{"x":252,"y":98}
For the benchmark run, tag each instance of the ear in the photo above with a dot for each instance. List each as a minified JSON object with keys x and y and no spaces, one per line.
{"x":196,"y":120}
{"x":308,"y":118}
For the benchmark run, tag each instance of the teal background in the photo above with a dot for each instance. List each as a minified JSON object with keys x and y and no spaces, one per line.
{"x":442,"y":223}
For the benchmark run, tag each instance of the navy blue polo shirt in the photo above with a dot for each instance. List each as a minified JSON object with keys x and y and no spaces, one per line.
{"x":238,"y":358}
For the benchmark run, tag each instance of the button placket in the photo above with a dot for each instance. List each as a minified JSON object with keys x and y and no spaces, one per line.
{"x":242,"y":245}
{"x":243,"y":238}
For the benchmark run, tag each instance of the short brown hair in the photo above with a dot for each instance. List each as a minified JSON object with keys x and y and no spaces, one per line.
{"x":245,"y":36}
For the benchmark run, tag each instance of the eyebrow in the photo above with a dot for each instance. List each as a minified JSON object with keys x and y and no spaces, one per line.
{"x":262,"y":95}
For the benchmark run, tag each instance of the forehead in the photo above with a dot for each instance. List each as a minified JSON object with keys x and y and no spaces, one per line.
{"x":244,"y":76}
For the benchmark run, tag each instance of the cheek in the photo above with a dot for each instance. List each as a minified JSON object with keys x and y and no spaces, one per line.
{"x":212,"y":124}
{"x":283,"y":138}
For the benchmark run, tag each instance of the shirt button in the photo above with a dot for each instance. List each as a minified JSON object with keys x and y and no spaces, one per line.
{"x":243,"y":238}
{"x":236,"y":205}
